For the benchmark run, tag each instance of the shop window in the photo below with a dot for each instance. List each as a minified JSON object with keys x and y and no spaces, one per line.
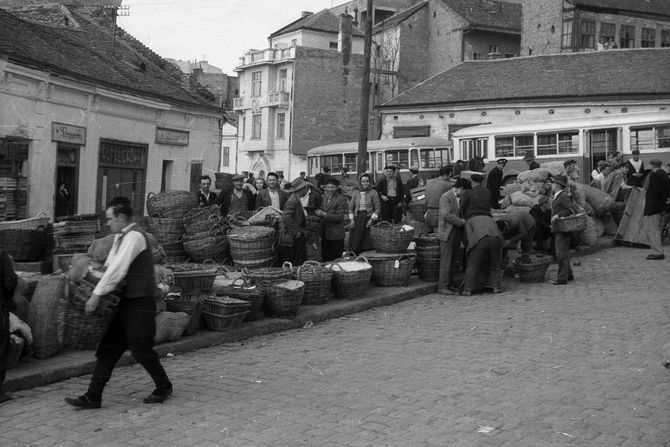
{"x":566,"y":34}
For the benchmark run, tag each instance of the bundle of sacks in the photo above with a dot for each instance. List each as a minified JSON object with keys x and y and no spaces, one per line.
{"x":531,"y":185}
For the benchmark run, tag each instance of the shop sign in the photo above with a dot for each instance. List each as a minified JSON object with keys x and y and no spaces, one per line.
{"x":171,"y":137}
{"x":67,"y":133}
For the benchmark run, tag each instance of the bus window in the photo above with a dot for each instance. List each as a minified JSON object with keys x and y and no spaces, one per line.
{"x":515,"y":146}
{"x":313,"y":166}
{"x":558,"y":143}
{"x":334,"y":162}
{"x":380,"y":162}
{"x":642,"y":138}
{"x":443,"y":156}
{"x":475,"y":147}
{"x":350,"y":162}
{"x":398,"y":158}
{"x":414,"y":157}
{"x":428,"y":159}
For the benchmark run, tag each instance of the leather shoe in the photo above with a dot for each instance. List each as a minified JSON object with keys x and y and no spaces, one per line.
{"x":83,"y":402}
{"x":655,"y":256}
{"x":158,"y":396}
{"x":446,"y":291}
{"x":571,"y":277}
{"x":560,"y":282}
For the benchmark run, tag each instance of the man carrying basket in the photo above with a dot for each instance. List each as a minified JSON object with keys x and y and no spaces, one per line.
{"x":134,"y":324}
{"x":562,"y":206}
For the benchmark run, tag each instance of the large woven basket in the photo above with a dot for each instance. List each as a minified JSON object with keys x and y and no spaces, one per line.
{"x":242,"y":289}
{"x":427,"y":240}
{"x":389,"y":238}
{"x":208,"y":214}
{"x":569,"y":224}
{"x":172,"y":204}
{"x":255,"y":264}
{"x":390,"y":269}
{"x":224,"y":305}
{"x":534,"y":271}
{"x":318,"y":282}
{"x":75,"y":242}
{"x":23,"y":245}
{"x":212,"y":244}
{"x":84,"y":331}
{"x":350,"y":285}
{"x":190,"y":277}
{"x":166,"y":230}
{"x":266,"y":277}
{"x":222,"y":323}
{"x":284,"y":299}
{"x":250,"y":238}
{"x":34,"y":223}
{"x":427,"y":257}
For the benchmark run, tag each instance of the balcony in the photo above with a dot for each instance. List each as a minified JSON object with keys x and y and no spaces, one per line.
{"x":238,"y":103}
{"x":279,"y":99}
{"x":267,"y":56}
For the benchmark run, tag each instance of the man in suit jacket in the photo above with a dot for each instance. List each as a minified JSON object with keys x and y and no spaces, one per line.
{"x":414,"y":182}
{"x":656,"y":197}
{"x":562,"y":206}
{"x":450,"y":232}
{"x":238,"y":199}
{"x":273,"y":195}
{"x":333,"y":211}
{"x":205,"y":196}
{"x":494,"y":182}
{"x":391,"y":193}
{"x":294,"y":224}
{"x":477,"y":201}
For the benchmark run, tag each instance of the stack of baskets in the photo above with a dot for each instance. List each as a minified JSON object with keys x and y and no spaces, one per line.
{"x":351,"y":276}
{"x":223,"y":313}
{"x":205,"y":234}
{"x":277,"y":302}
{"x":427,"y":257}
{"x":169,"y":233}
{"x":74,"y":234}
{"x":318,"y":282}
{"x":390,"y":269}
{"x":171,"y":204}
{"x":194,"y":283}
{"x":25,"y":240}
{"x":252,"y":247}
{"x":242,"y":289}
{"x":389,"y":238}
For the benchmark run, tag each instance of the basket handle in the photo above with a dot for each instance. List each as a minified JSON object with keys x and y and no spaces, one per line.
{"x":40,"y":214}
{"x":383,"y":223}
{"x":208,"y":261}
{"x":243,"y":280}
{"x":358,"y":258}
{"x":287,"y":265}
{"x":333,"y":265}
{"x":150,"y":195}
{"x":314,"y":272}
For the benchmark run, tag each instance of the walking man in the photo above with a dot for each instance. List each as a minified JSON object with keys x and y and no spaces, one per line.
{"x":657,"y":195}
{"x":134,"y":325}
{"x":562,"y":206}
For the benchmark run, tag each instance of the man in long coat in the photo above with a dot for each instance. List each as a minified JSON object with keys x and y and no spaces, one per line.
{"x":494,"y":182}
{"x":450,"y":232}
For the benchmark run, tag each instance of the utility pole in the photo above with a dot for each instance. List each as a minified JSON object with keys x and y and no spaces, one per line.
{"x":365,"y":94}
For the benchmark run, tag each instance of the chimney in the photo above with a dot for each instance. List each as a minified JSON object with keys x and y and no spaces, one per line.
{"x":344,"y":37}
{"x":306,"y":14}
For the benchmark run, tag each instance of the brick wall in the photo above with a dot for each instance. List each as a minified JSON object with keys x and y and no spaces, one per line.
{"x":445,"y":36}
{"x":541,"y":27}
{"x":413,"y":50}
{"x":326,"y":102}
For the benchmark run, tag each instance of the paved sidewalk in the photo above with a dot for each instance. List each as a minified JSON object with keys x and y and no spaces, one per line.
{"x":33,"y":372}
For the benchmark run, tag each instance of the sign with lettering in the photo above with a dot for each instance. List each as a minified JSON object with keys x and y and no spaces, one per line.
{"x":67,"y":133}
{"x":171,"y":137}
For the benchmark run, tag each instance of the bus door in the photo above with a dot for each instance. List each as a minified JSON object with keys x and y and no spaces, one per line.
{"x":601,"y":143}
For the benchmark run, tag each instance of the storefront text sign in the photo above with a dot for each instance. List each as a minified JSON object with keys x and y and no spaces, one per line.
{"x":171,"y":137}
{"x":67,"y":133}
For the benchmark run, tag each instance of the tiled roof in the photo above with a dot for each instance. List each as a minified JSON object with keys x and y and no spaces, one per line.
{"x":85,"y":54}
{"x":324,"y":21}
{"x":399,"y":17}
{"x":488,"y":13}
{"x":640,"y":6}
{"x":46,"y":14}
{"x":622,"y":73}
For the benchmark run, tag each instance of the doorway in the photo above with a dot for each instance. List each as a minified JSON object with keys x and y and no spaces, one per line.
{"x":67,"y":174}
{"x":602,"y":143}
{"x":122,"y":172}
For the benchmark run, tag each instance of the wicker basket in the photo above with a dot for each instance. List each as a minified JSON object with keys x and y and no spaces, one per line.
{"x":208,"y":214}
{"x":34,"y":223}
{"x":171,"y":204}
{"x":212,"y":244}
{"x":193,"y":277}
{"x":73,"y":241}
{"x":76,"y":227}
{"x":284,"y":299}
{"x":241,"y":289}
{"x":266,"y":277}
{"x":224,"y":305}
{"x":569,"y":224}
{"x":318,"y":282}
{"x":257,"y":263}
{"x":222,"y":323}
{"x":23,"y":245}
{"x":266,"y":216}
{"x":189,"y":306}
{"x":252,"y":254}
{"x":166,"y":230}
{"x":427,"y":240}
{"x":84,"y":331}
{"x":390,"y":269}
{"x":250,"y":238}
{"x":533,"y":272}
{"x":350,"y":284}
{"x":427,"y":257}
{"x":389,"y":238}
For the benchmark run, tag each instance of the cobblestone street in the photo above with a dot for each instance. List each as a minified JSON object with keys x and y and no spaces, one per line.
{"x":538,"y":365}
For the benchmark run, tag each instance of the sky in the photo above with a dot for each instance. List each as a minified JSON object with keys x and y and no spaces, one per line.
{"x":219,"y":31}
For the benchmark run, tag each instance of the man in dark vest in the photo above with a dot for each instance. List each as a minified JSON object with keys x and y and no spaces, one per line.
{"x":130,"y":267}
{"x":236,"y":200}
{"x":205,"y":196}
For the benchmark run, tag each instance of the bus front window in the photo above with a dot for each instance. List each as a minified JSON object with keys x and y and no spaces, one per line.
{"x":313,"y":166}
{"x":428,"y":159}
{"x":334,"y":162}
{"x":398,"y":158}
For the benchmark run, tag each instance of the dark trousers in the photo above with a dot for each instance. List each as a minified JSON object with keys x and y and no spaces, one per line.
{"x":483,"y":262}
{"x":359,"y":237}
{"x":133,"y":327}
{"x":295,"y":254}
{"x":332,"y":249}
{"x":432,"y":220}
{"x":450,"y":250}
{"x":563,"y":256}
{"x":390,"y":211}
{"x":4,"y":343}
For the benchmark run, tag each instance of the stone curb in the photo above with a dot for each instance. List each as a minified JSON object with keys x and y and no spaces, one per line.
{"x":33,"y":372}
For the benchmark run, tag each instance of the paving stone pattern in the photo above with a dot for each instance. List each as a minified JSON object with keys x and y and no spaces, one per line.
{"x":538,"y":365}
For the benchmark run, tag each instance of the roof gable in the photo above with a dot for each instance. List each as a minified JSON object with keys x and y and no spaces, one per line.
{"x":488,"y":13}
{"x":399,"y":17}
{"x":635,"y":72}
{"x":324,"y":21}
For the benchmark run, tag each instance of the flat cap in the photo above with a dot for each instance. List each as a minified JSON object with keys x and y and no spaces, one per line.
{"x":656,"y":162}
{"x":477,"y":178}
{"x":237,"y":177}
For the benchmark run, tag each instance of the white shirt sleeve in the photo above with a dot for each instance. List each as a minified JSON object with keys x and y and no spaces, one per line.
{"x":132,"y":244}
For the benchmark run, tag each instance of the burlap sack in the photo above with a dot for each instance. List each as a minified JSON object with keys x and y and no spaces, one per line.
{"x":46,"y":315}
{"x":170,"y":326}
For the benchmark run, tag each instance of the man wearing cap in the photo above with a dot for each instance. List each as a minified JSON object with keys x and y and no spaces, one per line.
{"x":494,"y":182}
{"x":333,"y":211}
{"x":321,"y":176}
{"x":391,"y":194}
{"x":541,"y":213}
{"x":414,"y":182}
{"x":435,"y":187}
{"x":294,"y":224}
{"x":477,"y":201}
{"x":635,"y":170}
{"x":530,"y":159}
{"x":656,"y":196}
{"x":562,"y":206}
{"x":236,"y":200}
{"x":450,"y":234}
